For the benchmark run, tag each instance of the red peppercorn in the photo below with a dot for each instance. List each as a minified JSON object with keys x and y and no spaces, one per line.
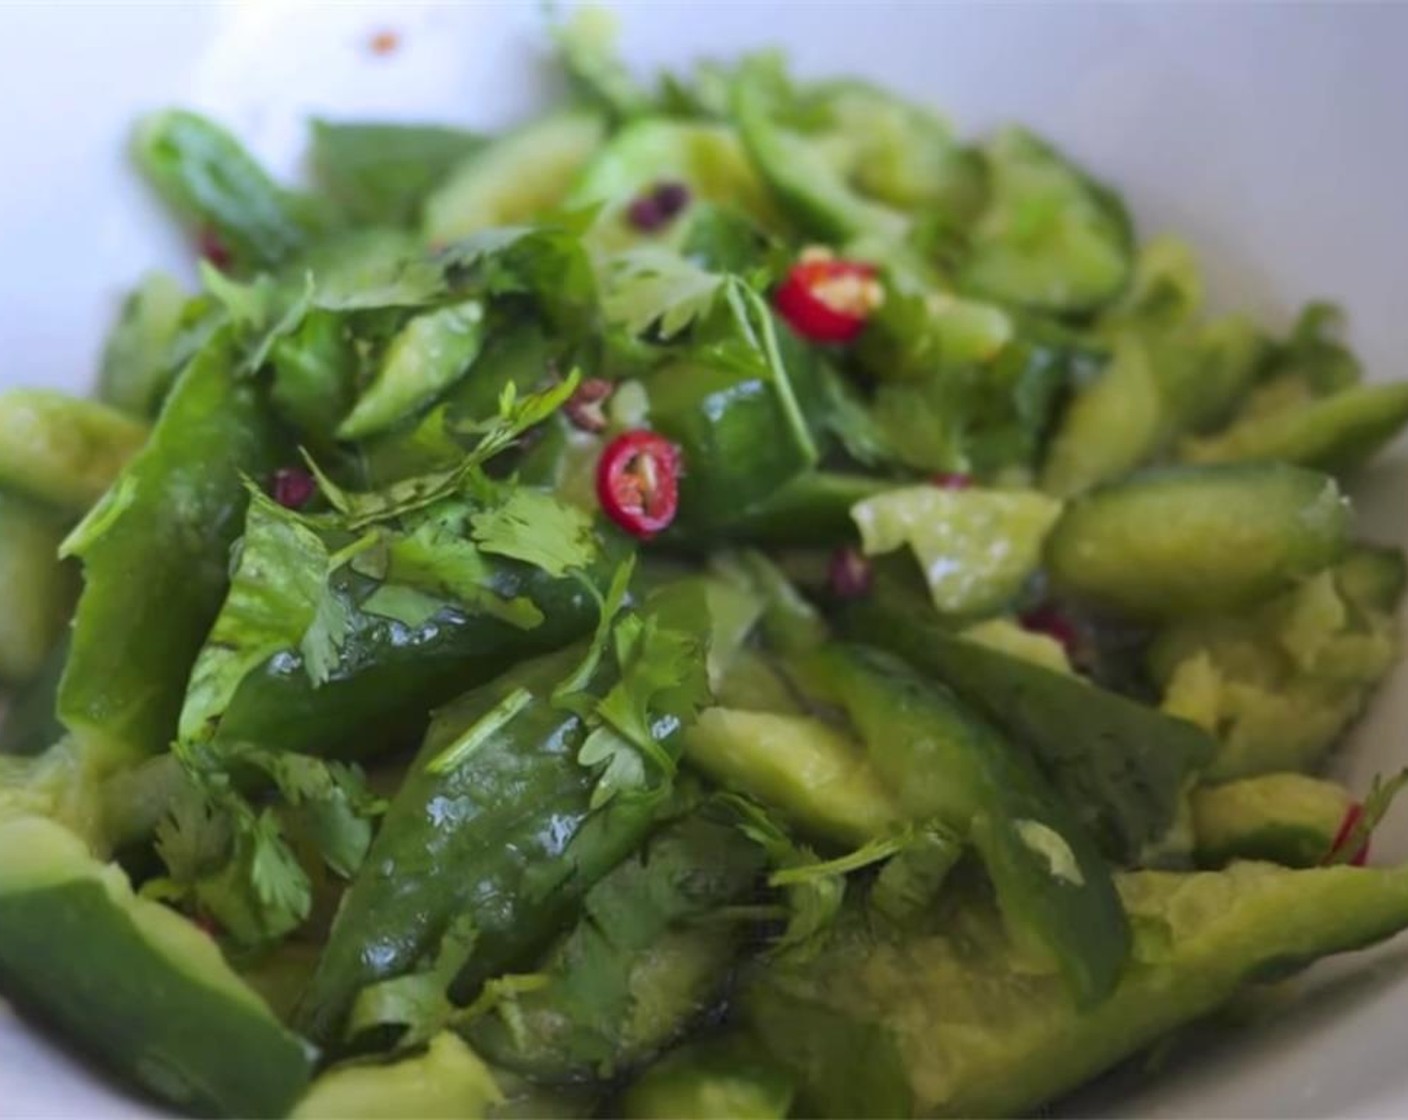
{"x":211,"y":248}
{"x":656,"y":208}
{"x":825,"y":299}
{"x":849,"y":574}
{"x":637,"y":482}
{"x":951,"y":480}
{"x":583,"y":410}
{"x":1054,"y":623}
{"x":292,"y":487}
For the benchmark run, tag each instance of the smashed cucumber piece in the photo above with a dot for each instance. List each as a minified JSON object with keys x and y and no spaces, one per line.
{"x":1111,"y":426}
{"x":448,"y":1081}
{"x":1193,"y":540}
{"x":719,"y":1079}
{"x":962,"y":1023}
{"x":39,"y":590}
{"x":948,"y":766}
{"x":519,"y":176}
{"x":802,"y":172}
{"x":60,"y":450}
{"x":1334,"y":433}
{"x":1280,"y":683}
{"x":137,"y":364}
{"x":1290,"y":819}
{"x":158,"y":1005}
{"x":1049,"y":238}
{"x":642,"y":964}
{"x":1124,"y":775}
{"x":427,"y":355}
{"x":813,"y":774}
{"x":706,"y":158}
{"x":975,"y":547}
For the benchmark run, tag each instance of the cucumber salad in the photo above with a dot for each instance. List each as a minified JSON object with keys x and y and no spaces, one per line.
{"x":727,"y":599}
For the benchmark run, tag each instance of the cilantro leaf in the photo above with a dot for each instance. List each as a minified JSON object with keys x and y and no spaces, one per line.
{"x":276,"y":591}
{"x":622,"y":762}
{"x":418,"y":1001}
{"x":814,"y":889}
{"x":538,"y":529}
{"x":569,"y":693}
{"x":515,"y":416}
{"x":652,"y":287}
{"x":481,"y":731}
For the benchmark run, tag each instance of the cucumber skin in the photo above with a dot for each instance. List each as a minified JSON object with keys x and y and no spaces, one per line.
{"x":73,"y":957}
{"x":1191,"y":540}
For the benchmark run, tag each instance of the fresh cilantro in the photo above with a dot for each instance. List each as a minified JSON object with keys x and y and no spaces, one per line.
{"x":755,"y":324}
{"x":662,"y":682}
{"x":873,"y":851}
{"x":321,"y":644}
{"x":814,"y":888}
{"x":417,"y":1002}
{"x":622,"y":763}
{"x":538,"y":529}
{"x":652,"y":287}
{"x":569,"y":693}
{"x":436,"y":558}
{"x":515,"y":416}
{"x":275,"y":598}
{"x":481,"y":731}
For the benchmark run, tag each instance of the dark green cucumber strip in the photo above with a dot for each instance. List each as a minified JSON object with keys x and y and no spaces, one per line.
{"x":134,"y":984}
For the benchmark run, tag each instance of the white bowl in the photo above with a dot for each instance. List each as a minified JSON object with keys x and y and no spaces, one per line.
{"x":1274,"y":138}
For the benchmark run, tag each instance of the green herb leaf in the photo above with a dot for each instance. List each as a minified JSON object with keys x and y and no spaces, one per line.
{"x":652,"y":287}
{"x":481,"y":731}
{"x":538,"y":529}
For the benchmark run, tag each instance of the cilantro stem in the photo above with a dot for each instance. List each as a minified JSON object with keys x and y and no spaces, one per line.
{"x":484,"y":728}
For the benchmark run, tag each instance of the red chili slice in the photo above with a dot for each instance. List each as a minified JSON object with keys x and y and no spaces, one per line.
{"x":1348,"y":823}
{"x":825,"y":299}
{"x":951,"y":480}
{"x":637,"y":482}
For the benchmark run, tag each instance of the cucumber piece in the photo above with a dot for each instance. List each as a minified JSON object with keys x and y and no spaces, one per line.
{"x":138,"y":359}
{"x":133,"y":983}
{"x":1280,"y":683}
{"x":514,"y":178}
{"x":1192,"y":540}
{"x":961,"y":1022}
{"x":1124,"y":774}
{"x":801,"y":171}
{"x":721,"y":1079}
{"x":30,"y":722}
{"x":1050,"y":238}
{"x":949,"y":767}
{"x":1290,"y":819}
{"x":812,"y":774}
{"x":1372,"y":578}
{"x":61,"y":450}
{"x":707,"y":158}
{"x":976,"y":547}
{"x":1004,"y":636}
{"x":1111,"y":425}
{"x":39,"y":590}
{"x":739,"y":446}
{"x":1334,"y":433}
{"x":447,"y":1081}
{"x":428,"y":354}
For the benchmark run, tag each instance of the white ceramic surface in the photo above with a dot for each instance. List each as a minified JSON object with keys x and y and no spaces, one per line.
{"x":1275,"y":137}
